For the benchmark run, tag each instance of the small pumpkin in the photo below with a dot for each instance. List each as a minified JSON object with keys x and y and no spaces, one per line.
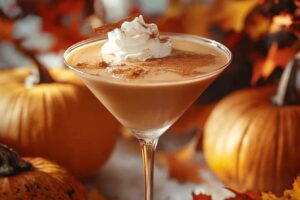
{"x":35,"y":179}
{"x":252,"y":142}
{"x":58,"y":119}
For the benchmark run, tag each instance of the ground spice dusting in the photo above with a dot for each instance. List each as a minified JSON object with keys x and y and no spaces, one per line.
{"x":81,"y":65}
{"x":130,"y":73}
{"x":163,"y":39}
{"x":102,"y":64}
{"x":182,"y":63}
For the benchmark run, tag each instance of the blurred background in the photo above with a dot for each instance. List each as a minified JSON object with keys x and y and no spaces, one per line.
{"x":252,"y":29}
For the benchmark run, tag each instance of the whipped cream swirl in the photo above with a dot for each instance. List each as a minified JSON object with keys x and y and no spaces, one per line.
{"x":135,"y":41}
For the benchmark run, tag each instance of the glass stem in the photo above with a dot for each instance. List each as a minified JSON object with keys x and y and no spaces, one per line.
{"x":148,"y":147}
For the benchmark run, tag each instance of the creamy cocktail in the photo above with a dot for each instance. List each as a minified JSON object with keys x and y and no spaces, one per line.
{"x":146,"y":79}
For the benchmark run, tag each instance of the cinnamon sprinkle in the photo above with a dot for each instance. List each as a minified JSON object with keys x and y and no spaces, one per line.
{"x":180,"y":62}
{"x":82,"y":65}
{"x":131,"y":73}
{"x":102,"y":64}
{"x":105,"y":28}
{"x":163,"y":39}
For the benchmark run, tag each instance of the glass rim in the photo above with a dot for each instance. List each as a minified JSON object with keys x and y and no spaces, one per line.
{"x":211,"y":42}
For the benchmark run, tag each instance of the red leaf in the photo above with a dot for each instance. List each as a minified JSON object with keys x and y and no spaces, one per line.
{"x":63,"y":19}
{"x":201,"y":196}
{"x":6,"y":28}
{"x":249,"y":195}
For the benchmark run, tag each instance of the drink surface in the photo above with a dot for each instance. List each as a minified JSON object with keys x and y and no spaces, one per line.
{"x":188,"y":59}
{"x":149,"y":96}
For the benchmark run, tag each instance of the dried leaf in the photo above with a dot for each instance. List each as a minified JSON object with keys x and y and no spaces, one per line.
{"x":201,"y":196}
{"x":173,"y":19}
{"x":6,"y":28}
{"x":62,"y":19}
{"x":276,"y":57}
{"x":94,"y":194}
{"x":231,"y":14}
{"x":249,"y":195}
{"x":257,"y":25}
{"x":185,"y":171}
{"x":181,"y":163}
{"x":293,"y":194}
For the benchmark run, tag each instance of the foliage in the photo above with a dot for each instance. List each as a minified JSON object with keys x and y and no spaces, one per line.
{"x":289,"y":194}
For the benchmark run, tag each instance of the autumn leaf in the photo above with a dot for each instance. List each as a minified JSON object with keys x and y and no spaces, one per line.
{"x":201,"y":196}
{"x":181,"y":163}
{"x":94,"y":194}
{"x":249,"y":195}
{"x":182,"y":167}
{"x":238,"y":196}
{"x":257,"y":25}
{"x":293,"y":194}
{"x":63,"y":19}
{"x":6,"y":28}
{"x":231,"y":14}
{"x":173,"y":19}
{"x":276,"y":57}
{"x":185,"y":171}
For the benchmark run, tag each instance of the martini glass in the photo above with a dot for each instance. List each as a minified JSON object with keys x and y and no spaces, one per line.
{"x":146,"y":108}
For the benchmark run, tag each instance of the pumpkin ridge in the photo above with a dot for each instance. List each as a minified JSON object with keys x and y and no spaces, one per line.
{"x":46,"y":111}
{"x":252,"y":122}
{"x":18,"y":111}
{"x":12,"y":99}
{"x":242,"y":111}
{"x":31,"y":122}
{"x":277,"y":149}
{"x":267,"y":114}
{"x":23,"y":97}
{"x":291,"y":136}
{"x":238,"y":156}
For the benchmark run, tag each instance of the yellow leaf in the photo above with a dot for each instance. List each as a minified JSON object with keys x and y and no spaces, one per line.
{"x":276,"y":57}
{"x":93,"y":194}
{"x":231,"y":14}
{"x":293,"y":194}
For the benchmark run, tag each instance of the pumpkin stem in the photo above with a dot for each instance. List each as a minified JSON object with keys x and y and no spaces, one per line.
{"x":42,"y":75}
{"x":287,"y":93}
{"x":11,"y":163}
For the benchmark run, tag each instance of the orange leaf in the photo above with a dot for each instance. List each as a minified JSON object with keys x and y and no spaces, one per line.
{"x":6,"y":28}
{"x":231,"y":14}
{"x":94,"y":194}
{"x":249,"y":195}
{"x":185,"y":171}
{"x":60,"y":18}
{"x":276,"y":57}
{"x":293,"y":194}
{"x":201,"y":196}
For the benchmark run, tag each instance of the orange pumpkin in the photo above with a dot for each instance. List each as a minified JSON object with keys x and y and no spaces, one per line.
{"x":251,"y":142}
{"x":59,"y":120}
{"x":35,"y":179}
